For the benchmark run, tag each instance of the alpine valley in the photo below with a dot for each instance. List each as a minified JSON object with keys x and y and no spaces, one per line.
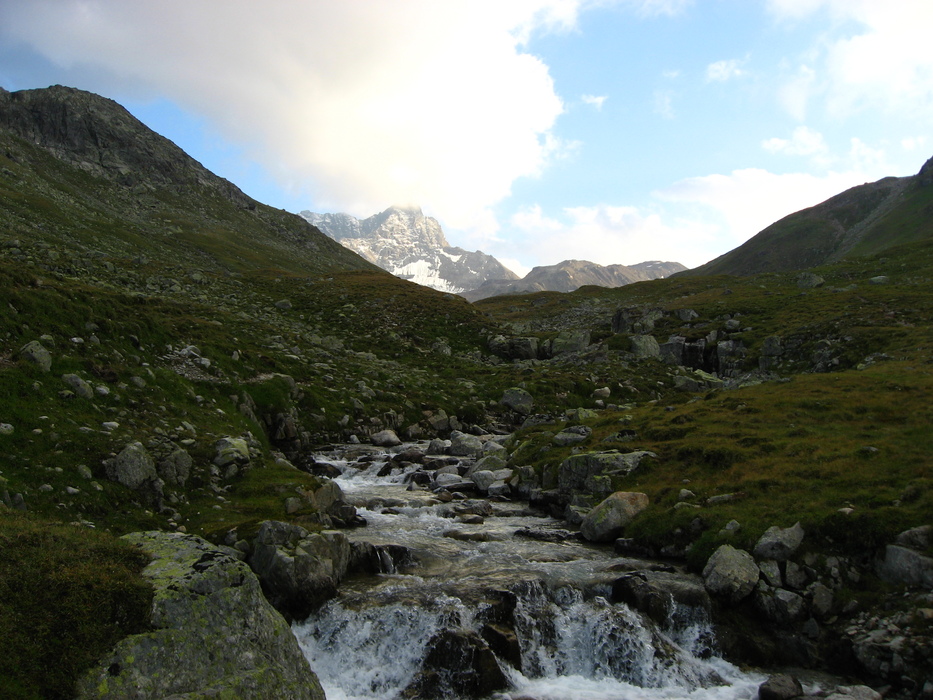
{"x":238,"y":459}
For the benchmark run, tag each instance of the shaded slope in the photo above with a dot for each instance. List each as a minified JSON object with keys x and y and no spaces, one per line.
{"x":862,"y":220}
{"x":78,"y":169}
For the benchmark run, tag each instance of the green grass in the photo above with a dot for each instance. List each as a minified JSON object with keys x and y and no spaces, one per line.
{"x":67,"y":594}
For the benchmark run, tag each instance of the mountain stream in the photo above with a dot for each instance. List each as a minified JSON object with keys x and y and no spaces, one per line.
{"x":463,"y":579}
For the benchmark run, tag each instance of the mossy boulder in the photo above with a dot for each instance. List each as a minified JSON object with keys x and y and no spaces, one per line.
{"x":607,"y":520}
{"x":214,"y":634}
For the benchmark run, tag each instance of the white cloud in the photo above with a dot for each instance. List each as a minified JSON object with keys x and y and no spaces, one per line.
{"x":873,"y":54}
{"x":804,"y":142}
{"x":721,"y":71}
{"x":749,"y":200}
{"x":594,"y":100}
{"x":796,"y":92}
{"x":609,"y":235}
{"x":914,"y":143}
{"x":364,"y":103}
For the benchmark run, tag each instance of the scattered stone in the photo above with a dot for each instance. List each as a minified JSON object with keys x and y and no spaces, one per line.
{"x":809,"y":280}
{"x":572,"y":435}
{"x":465,"y":445}
{"x":879,"y":279}
{"x":283,"y":304}
{"x":110,"y":425}
{"x":6,"y":429}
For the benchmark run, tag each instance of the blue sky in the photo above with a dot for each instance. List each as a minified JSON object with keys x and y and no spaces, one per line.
{"x":535,"y":130}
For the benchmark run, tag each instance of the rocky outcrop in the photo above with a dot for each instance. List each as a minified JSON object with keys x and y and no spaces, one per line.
{"x":214,"y":634}
{"x":592,"y":472}
{"x":298,"y":570}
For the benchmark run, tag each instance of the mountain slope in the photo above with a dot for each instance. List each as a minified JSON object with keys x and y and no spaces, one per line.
{"x":569,"y":275}
{"x":862,"y":220}
{"x":412,"y":246}
{"x":94,"y":175}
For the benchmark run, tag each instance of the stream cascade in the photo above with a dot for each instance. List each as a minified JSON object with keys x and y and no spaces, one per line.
{"x":484,"y":598}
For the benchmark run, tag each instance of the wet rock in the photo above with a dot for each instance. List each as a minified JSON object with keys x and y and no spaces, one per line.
{"x":212,"y":629}
{"x":134,"y":468}
{"x":731,"y":573}
{"x":504,"y":643}
{"x":458,"y":663}
{"x":854,"y":692}
{"x":298,"y":570}
{"x":36,"y":353}
{"x":779,"y":544}
{"x":659,"y":594}
{"x":518,"y":400}
{"x":606,"y":521}
{"x":780,"y":687}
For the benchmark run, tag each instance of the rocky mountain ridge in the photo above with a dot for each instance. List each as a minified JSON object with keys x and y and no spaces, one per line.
{"x":570,"y":275}
{"x":412,"y":246}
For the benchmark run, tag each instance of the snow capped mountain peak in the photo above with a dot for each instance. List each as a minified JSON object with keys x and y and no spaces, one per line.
{"x":405,"y":242}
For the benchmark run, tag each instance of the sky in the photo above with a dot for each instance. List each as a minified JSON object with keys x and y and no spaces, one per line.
{"x":616,"y":131}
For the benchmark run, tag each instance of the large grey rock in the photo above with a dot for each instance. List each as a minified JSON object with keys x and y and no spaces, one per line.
{"x":572,"y":435}
{"x":231,"y":451}
{"x":385,"y":438}
{"x":214,"y":634}
{"x":731,"y":573}
{"x":175,"y":467}
{"x":592,"y":471}
{"x":779,"y":543}
{"x":35,"y":352}
{"x":518,"y":400}
{"x":780,"y":605}
{"x":298,"y":570}
{"x":645,"y":346}
{"x":483,"y":479}
{"x":134,"y":468}
{"x":607,"y":520}
{"x":465,"y":445}
{"x":78,"y":385}
{"x":905,"y":566}
{"x":570,"y":341}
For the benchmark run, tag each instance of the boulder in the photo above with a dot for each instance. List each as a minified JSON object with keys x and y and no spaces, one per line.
{"x":175,"y":468}
{"x":645,"y":346}
{"x":590,"y":471}
{"x":518,"y":400}
{"x":607,"y":520}
{"x":483,"y":479}
{"x":231,"y":452}
{"x":465,"y":445}
{"x":809,"y":280}
{"x":385,"y":438}
{"x":781,"y":606}
{"x":458,"y":663}
{"x":570,"y":341}
{"x":212,"y":630}
{"x":572,"y":435}
{"x":135,"y":469}
{"x":298,"y":570}
{"x":779,"y":544}
{"x":780,"y":687}
{"x":854,"y":692}
{"x":36,"y":353}
{"x":80,"y":387}
{"x":905,"y":566}
{"x":730,"y":573}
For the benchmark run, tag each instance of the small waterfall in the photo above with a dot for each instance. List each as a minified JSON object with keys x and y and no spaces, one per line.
{"x":442,"y":606}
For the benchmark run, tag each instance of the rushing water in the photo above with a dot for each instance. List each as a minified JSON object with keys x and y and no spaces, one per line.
{"x":569,"y":642}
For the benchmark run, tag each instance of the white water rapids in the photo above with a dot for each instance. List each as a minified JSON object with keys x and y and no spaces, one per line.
{"x":369,"y":642}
